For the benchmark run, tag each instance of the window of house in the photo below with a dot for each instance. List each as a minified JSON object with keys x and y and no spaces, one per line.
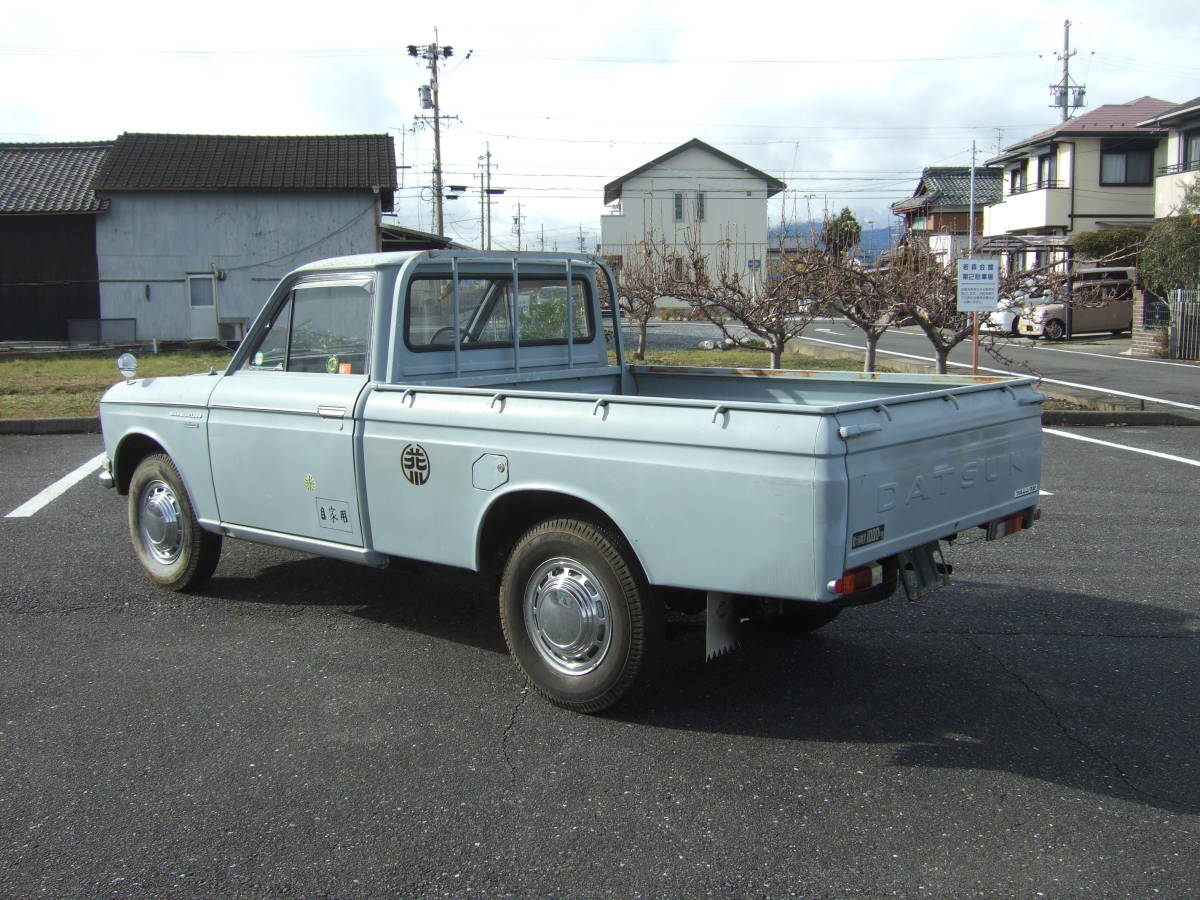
{"x":1191,"y":150}
{"x":1016,"y":180}
{"x":1047,"y":170}
{"x":1126,"y":163}
{"x":485,"y":307}
{"x":679,"y":207}
{"x":700,"y":206}
{"x":321,"y":327}
{"x":200,"y":291}
{"x":677,"y":268}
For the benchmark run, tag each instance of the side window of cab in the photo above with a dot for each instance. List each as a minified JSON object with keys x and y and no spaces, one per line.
{"x":322,"y":326}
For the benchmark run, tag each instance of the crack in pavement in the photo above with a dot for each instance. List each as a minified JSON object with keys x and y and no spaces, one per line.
{"x":1062,"y":726}
{"x":508,"y":729}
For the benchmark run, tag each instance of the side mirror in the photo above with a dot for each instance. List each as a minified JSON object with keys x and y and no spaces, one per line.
{"x":127,"y":365}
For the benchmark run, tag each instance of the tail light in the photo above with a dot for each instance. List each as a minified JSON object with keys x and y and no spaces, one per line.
{"x":855,"y":580}
{"x":1011,"y":524}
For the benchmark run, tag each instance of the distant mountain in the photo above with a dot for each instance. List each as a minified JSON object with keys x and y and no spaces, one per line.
{"x":872,"y":242}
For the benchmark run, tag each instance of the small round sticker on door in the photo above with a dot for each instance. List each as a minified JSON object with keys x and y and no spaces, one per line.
{"x":415,"y":463}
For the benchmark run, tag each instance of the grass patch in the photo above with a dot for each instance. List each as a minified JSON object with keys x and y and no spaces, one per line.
{"x":51,"y":385}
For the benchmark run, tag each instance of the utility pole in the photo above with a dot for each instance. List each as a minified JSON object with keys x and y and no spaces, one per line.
{"x":518,"y":221}
{"x":970,"y":254}
{"x":485,"y":201}
{"x":1059,"y":92}
{"x":428,"y":93}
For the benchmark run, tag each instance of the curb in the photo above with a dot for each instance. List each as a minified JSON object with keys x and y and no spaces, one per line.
{"x":1054,"y":417}
{"x":82,"y":425}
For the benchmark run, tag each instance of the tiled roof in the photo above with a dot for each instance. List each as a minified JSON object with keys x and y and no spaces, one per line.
{"x":50,"y":178}
{"x":198,"y":162}
{"x":1175,"y":113}
{"x":1124,"y":119}
{"x":612,"y":190}
{"x":950,"y":186}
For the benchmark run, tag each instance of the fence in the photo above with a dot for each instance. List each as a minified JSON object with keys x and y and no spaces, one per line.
{"x":1184,"y":339}
{"x":101,"y":331}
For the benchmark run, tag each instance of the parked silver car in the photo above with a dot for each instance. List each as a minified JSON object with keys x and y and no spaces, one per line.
{"x":1101,"y":300}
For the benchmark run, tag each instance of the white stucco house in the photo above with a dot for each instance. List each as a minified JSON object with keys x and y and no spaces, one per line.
{"x":1090,"y":173}
{"x":1181,"y":164}
{"x":692,"y":191}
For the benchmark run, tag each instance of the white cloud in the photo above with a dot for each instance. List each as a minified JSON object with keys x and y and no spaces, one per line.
{"x":845,"y":101}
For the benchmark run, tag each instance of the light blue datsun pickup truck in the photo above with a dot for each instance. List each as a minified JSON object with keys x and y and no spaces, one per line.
{"x":461,"y":408}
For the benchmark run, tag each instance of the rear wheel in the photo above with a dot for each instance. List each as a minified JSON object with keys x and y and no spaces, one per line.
{"x":579,"y":619}
{"x":175,"y":551}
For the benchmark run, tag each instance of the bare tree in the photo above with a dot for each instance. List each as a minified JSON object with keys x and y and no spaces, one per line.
{"x":927,"y":291}
{"x":753,"y":308}
{"x":644,"y":277}
{"x":865,"y":297}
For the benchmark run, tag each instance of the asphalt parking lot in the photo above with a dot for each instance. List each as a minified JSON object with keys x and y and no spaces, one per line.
{"x":309,"y":728}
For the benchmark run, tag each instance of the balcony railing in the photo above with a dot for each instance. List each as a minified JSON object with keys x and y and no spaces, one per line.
{"x":1036,"y":186}
{"x":1191,"y":165}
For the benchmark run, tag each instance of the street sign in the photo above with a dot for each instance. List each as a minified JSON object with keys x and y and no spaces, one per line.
{"x":978,"y":285}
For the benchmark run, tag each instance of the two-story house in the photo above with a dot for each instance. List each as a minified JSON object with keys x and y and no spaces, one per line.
{"x":694,"y":195}
{"x":1089,"y":173}
{"x":1182,"y":162}
{"x":938,"y":214}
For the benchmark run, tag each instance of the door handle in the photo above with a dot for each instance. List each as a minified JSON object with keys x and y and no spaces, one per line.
{"x":331,"y":412}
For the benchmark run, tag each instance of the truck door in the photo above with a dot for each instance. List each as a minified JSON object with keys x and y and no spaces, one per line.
{"x":282,"y":427}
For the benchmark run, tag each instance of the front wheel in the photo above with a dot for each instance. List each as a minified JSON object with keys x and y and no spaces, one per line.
{"x":1054,"y":330}
{"x":174,"y":550}
{"x":578,"y":616}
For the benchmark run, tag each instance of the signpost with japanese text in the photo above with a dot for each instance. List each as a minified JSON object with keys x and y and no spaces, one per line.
{"x":978,"y":285}
{"x":978,"y":292}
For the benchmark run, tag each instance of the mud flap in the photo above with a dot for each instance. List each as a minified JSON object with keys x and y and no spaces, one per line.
{"x":720,"y":626}
{"x":923,"y":570}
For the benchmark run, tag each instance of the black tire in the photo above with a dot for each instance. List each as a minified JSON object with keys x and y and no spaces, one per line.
{"x":1054,"y":330}
{"x":579,"y":618}
{"x":791,"y":616}
{"x":175,"y":551}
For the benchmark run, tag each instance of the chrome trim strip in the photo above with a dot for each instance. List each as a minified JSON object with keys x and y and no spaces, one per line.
{"x":344,"y":552}
{"x":266,"y":409}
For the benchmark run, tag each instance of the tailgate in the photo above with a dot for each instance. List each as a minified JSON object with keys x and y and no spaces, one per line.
{"x":927,"y":469}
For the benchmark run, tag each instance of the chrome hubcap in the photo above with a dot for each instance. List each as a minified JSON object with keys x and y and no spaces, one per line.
{"x":567,"y":616}
{"x":160,"y":520}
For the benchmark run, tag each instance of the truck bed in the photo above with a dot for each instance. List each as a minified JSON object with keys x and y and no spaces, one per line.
{"x":853,"y":467}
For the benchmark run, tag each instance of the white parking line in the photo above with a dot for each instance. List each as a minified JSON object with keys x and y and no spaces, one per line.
{"x":56,"y":490}
{"x":1090,"y":440}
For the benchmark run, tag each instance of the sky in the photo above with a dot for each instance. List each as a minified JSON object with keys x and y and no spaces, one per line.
{"x":844,"y":103}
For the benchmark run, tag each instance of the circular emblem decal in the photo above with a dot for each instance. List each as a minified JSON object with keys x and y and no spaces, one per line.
{"x":415,"y":463}
{"x":331,"y":365}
